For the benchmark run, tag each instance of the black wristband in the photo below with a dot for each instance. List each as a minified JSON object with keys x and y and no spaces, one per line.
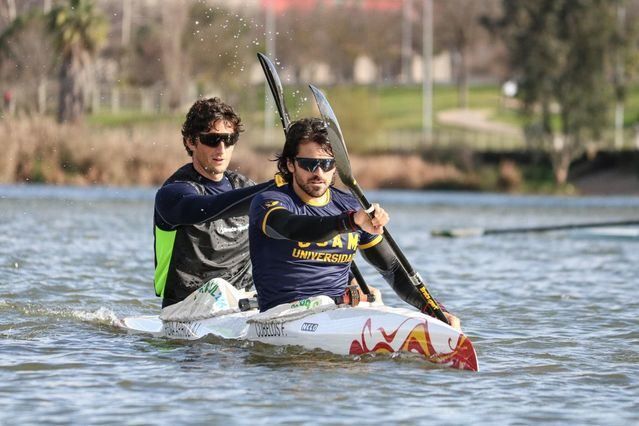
{"x":346,"y":222}
{"x":351,"y":219}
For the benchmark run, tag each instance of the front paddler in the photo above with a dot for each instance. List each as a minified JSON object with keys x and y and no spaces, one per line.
{"x":304,"y":233}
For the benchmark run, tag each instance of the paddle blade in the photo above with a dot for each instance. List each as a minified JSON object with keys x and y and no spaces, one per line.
{"x":275,"y":84}
{"x":335,"y":138}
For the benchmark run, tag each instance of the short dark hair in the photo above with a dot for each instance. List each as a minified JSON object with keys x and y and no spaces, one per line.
{"x":303,"y":130}
{"x":202,"y":114}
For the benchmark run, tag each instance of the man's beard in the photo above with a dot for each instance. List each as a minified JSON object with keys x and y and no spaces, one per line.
{"x":309,"y":190}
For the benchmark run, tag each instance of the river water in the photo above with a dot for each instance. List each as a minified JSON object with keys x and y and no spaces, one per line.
{"x":554,"y":318}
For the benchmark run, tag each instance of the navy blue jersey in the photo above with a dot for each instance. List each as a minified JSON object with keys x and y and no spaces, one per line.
{"x":285,"y":270}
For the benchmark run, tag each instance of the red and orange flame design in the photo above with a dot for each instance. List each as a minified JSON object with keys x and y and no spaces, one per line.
{"x":462,"y":356}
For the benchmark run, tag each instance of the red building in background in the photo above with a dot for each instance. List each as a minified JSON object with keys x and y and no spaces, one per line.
{"x":284,"y":5}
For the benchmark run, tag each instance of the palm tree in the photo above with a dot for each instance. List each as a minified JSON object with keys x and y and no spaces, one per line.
{"x":78,"y":30}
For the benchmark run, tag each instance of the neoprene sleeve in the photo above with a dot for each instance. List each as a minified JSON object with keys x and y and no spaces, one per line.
{"x":282,"y":224}
{"x":177,"y":208}
{"x":382,"y":258}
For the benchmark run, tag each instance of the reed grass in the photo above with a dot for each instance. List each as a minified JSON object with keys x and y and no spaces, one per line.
{"x":40,"y":150}
{"x":37,"y":149}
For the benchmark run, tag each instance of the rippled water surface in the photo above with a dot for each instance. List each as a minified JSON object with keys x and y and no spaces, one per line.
{"x":554,"y":319}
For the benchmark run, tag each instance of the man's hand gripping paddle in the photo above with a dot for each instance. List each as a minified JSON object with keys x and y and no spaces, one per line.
{"x":345,"y":173}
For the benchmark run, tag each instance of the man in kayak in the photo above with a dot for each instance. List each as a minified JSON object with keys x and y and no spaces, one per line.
{"x":201,"y":227}
{"x":304,"y":232}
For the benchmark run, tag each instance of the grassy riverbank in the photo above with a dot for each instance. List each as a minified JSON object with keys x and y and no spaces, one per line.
{"x":38,"y":150}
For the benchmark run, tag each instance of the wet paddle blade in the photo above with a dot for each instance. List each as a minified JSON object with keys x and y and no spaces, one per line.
{"x":275,"y":84}
{"x":335,"y":137}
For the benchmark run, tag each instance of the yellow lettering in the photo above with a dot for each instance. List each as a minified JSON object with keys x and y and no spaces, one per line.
{"x":353,"y":240}
{"x":303,"y":245}
{"x":322,"y":256}
{"x":337,"y":241}
{"x":324,"y":244}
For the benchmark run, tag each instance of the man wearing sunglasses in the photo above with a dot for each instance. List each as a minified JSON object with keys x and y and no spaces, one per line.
{"x":201,"y":227}
{"x":304,"y":233}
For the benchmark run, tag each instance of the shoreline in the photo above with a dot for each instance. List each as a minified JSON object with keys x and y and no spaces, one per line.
{"x":40,"y":151}
{"x":619,"y":184}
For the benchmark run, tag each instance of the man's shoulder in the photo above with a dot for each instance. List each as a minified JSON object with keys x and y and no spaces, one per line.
{"x":186,"y":173}
{"x":238,"y":180}
{"x":343,"y":198}
{"x":183,"y":182}
{"x":340,"y":193}
{"x":279,"y":193}
{"x":274,"y":197}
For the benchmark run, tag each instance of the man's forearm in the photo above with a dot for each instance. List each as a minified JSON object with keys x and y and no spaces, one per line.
{"x":382,"y":258}
{"x":280,"y":223}
{"x":194,"y":208}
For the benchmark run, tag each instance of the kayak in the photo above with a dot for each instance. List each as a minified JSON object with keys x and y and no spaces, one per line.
{"x":314,"y":323}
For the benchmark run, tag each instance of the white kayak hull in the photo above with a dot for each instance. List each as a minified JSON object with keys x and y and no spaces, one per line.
{"x":343,"y":331}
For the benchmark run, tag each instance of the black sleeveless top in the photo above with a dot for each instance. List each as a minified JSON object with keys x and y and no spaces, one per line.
{"x":194,"y":240}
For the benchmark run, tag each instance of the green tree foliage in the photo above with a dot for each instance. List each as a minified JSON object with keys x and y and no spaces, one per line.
{"x":559,"y":51}
{"x":78,"y":30}
{"x":459,"y":29}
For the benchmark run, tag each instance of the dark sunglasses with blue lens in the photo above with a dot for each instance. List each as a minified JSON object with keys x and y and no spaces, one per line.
{"x":215,"y":139}
{"x":311,"y":164}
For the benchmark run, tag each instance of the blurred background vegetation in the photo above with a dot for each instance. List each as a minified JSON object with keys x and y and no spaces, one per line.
{"x":512,"y":95}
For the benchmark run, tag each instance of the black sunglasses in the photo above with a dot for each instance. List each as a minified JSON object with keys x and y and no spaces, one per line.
{"x":214,"y":139}
{"x":311,"y":164}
